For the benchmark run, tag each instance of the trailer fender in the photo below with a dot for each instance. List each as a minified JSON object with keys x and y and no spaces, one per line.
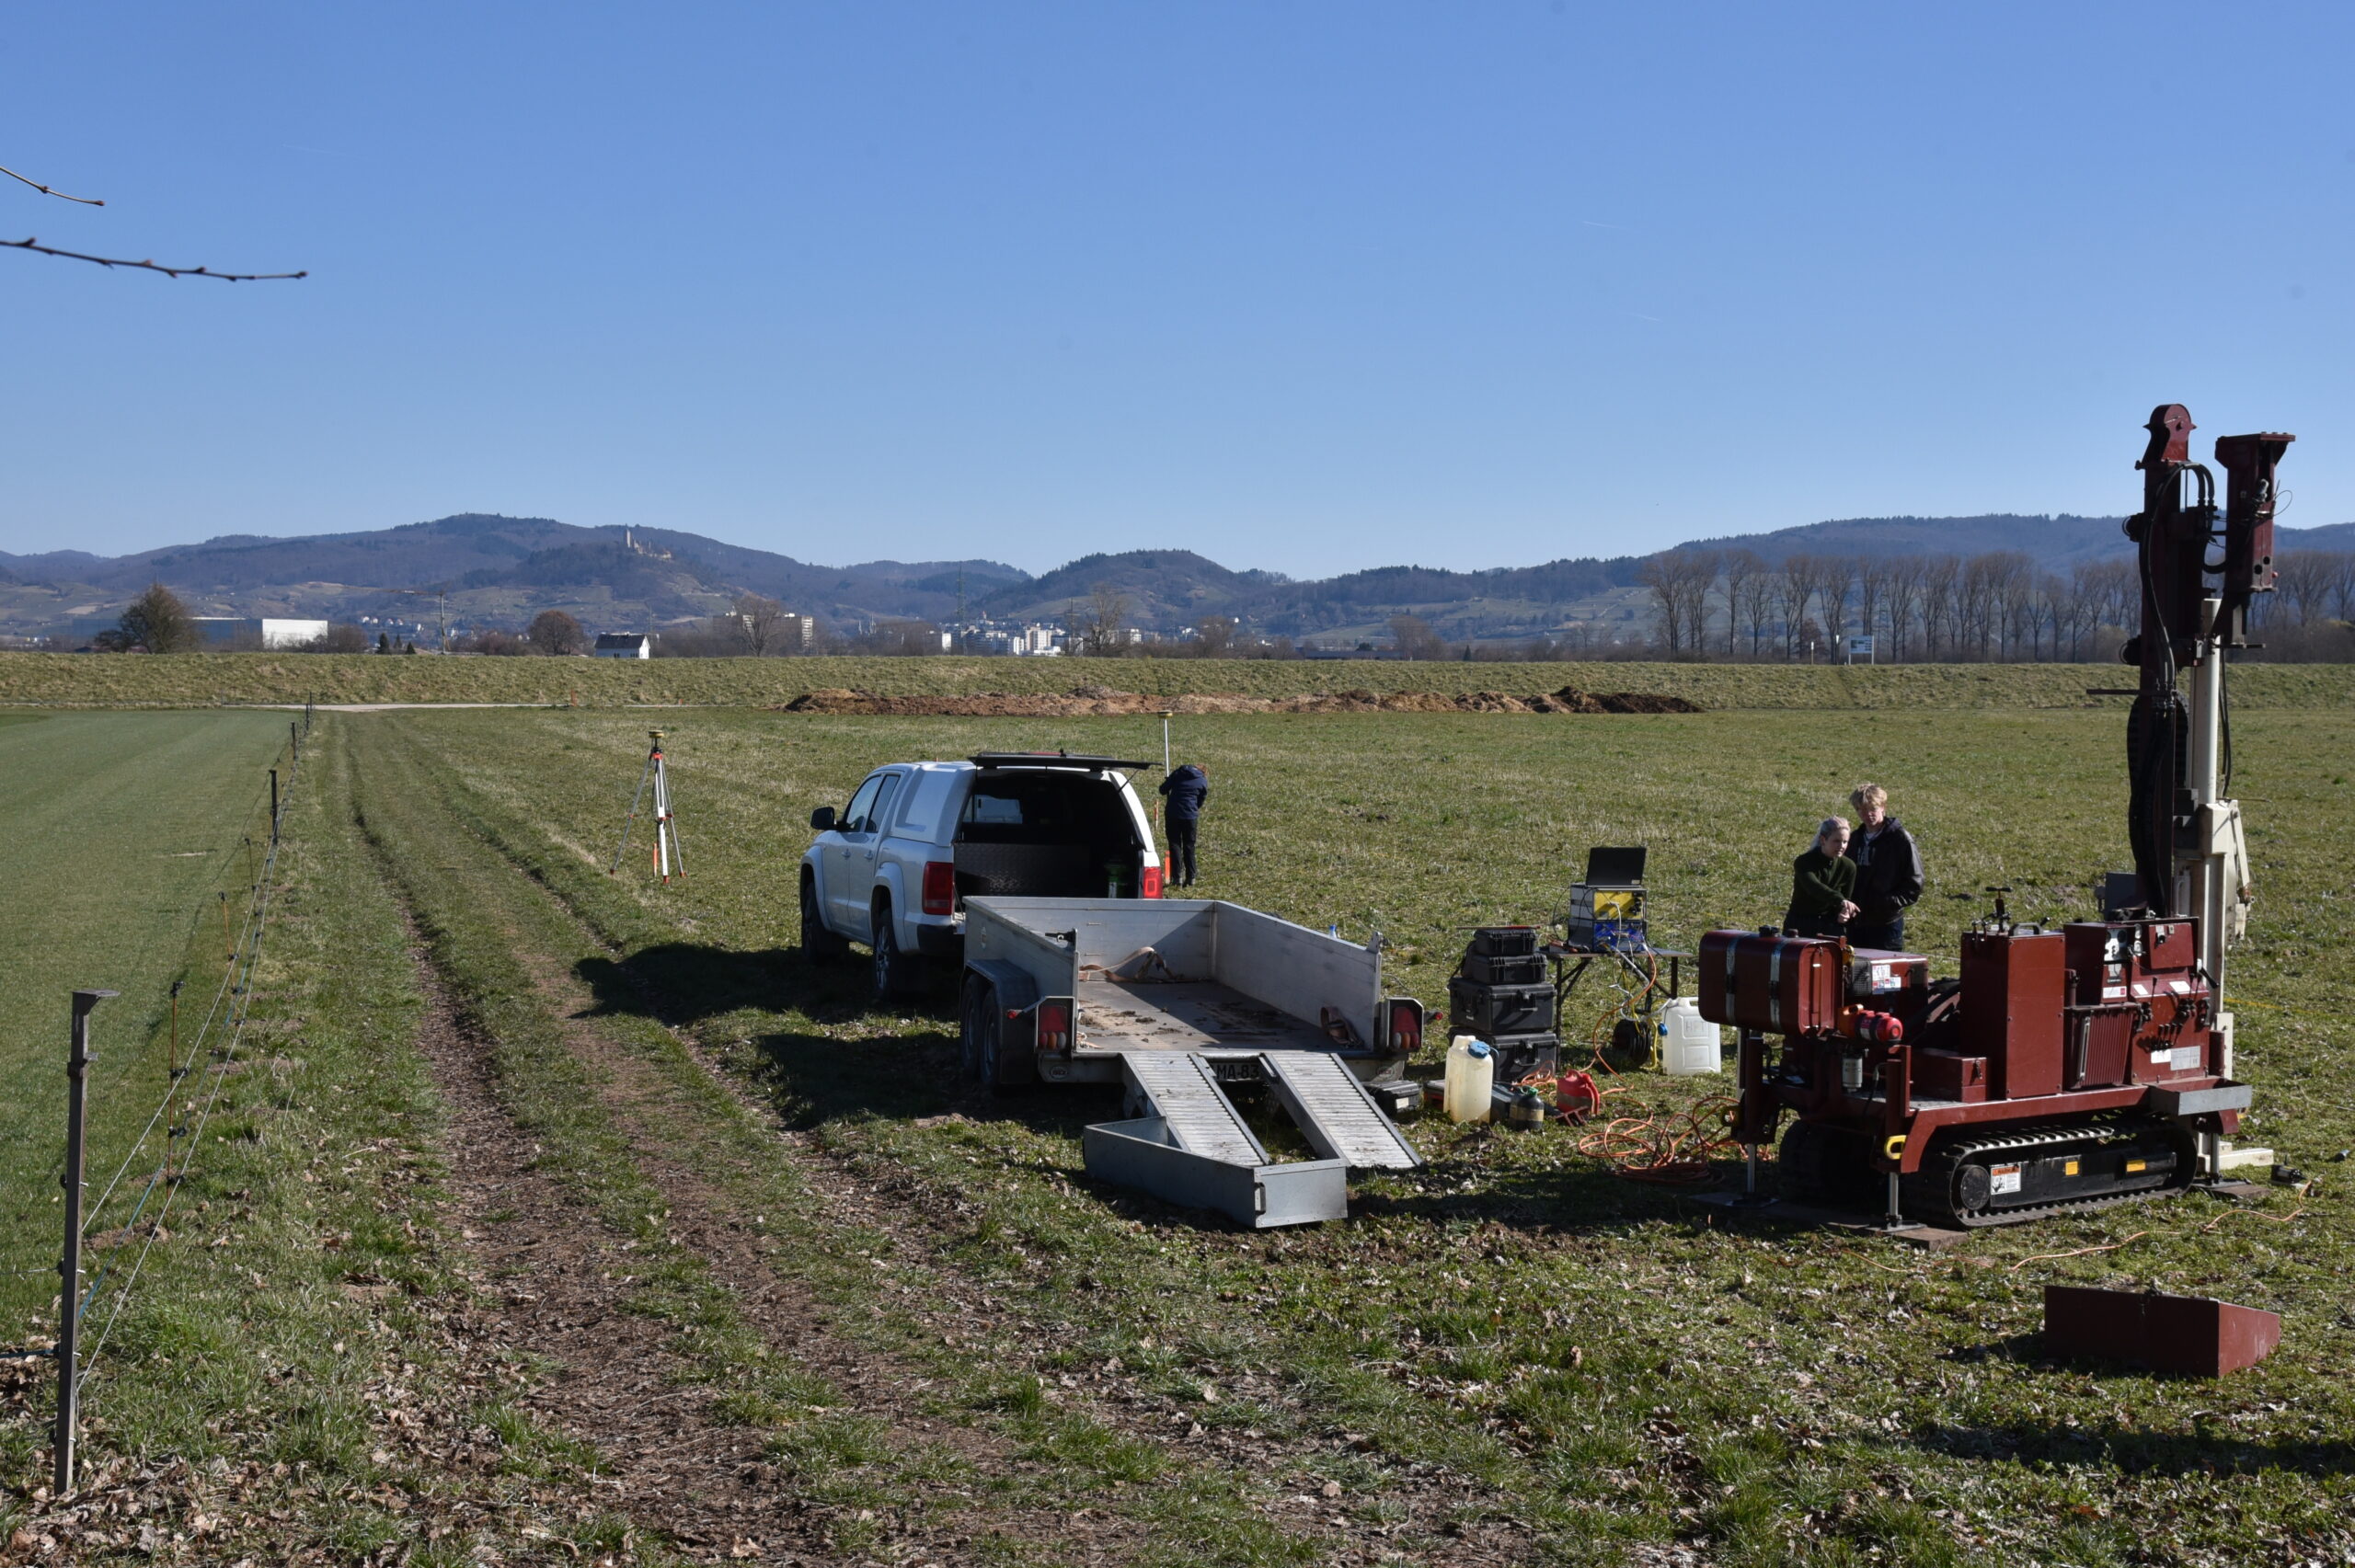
{"x":1017,"y":999}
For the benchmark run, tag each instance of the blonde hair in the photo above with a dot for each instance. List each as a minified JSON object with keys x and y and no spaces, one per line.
{"x":1865,"y":795}
{"x":1830,"y":825}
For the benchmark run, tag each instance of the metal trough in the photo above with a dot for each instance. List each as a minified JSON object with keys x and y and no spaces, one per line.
{"x":1139,"y":1153}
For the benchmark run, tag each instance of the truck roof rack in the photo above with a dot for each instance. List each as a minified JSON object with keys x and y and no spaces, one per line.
{"x":1052,"y":759}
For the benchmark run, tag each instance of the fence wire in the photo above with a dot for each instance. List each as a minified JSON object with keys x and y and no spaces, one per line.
{"x":223,"y":1031}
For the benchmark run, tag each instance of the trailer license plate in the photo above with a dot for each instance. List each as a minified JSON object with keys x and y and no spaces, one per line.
{"x":2002,"y":1179}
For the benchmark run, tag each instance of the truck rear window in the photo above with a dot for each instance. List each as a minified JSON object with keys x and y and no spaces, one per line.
{"x":1008,"y":808}
{"x":1047,"y":834}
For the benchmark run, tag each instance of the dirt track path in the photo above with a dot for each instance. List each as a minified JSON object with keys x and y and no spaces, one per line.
{"x":556,"y":1282}
{"x":1424,"y":1508}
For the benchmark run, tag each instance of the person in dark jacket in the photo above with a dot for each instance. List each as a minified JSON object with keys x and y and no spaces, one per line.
{"x":1889,"y":871}
{"x":1186,"y":788}
{"x":1821,"y":880}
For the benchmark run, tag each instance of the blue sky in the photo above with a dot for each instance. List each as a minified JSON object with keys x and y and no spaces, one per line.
{"x":1303,"y":286}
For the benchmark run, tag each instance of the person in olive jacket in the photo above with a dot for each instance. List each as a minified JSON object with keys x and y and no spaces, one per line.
{"x":1889,"y":872}
{"x":1821,"y":881}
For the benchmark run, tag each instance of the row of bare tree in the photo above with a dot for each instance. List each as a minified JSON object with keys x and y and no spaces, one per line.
{"x":1997,"y":606}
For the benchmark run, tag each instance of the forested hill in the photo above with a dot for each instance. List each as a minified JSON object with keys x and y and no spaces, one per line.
{"x":501,"y":570}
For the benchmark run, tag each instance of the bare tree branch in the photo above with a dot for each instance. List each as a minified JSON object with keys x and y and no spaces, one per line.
{"x":45,"y":190}
{"x":150,"y":265}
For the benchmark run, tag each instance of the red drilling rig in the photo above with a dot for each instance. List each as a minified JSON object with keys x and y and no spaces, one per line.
{"x":2064,"y":1067}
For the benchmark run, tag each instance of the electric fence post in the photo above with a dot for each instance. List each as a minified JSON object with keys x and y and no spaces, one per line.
{"x":69,"y":1270}
{"x":273,"y":813}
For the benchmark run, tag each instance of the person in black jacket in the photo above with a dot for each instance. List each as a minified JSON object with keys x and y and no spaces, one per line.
{"x":1186,"y":788}
{"x":1889,"y":871}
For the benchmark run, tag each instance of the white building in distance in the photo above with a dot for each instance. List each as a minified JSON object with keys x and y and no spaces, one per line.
{"x":269,"y":631}
{"x":623,"y":645}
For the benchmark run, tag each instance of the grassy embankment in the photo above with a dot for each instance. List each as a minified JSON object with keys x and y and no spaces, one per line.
{"x":71,"y":679}
{"x":1601,"y":1363}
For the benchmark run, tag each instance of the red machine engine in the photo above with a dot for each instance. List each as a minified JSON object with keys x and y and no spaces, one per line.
{"x":2063,"y":1068}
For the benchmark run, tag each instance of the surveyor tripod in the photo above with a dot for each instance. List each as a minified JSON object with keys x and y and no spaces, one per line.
{"x":667,"y":855}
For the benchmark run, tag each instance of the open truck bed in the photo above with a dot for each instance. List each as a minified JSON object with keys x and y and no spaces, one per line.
{"x":1176,"y":999}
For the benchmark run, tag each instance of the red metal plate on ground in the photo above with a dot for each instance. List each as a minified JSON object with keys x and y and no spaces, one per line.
{"x":2167,"y":1333}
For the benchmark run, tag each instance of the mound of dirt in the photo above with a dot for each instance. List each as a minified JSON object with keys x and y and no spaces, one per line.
{"x":1103,"y":702}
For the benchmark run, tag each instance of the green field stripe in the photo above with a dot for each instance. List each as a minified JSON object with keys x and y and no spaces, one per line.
{"x":123,"y":828}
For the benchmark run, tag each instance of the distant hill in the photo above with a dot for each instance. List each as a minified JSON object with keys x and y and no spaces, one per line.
{"x":497,"y":570}
{"x":1164,"y":588}
{"x":502,"y":570}
{"x":2057,"y":542}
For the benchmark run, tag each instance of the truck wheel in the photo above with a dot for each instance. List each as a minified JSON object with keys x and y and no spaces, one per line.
{"x":818,"y":944}
{"x":980,"y":1035}
{"x":895,"y":972}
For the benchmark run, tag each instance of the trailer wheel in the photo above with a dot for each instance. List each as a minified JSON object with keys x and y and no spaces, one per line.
{"x":977,"y":1036}
{"x":819,"y":945}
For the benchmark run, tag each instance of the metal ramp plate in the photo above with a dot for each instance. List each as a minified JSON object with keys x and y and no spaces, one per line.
{"x":1138,"y":1154}
{"x":1334,"y":1112}
{"x":1182,"y":1090}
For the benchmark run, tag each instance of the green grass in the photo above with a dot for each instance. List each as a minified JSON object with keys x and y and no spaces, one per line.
{"x":298,"y":1300}
{"x":124,"y":829}
{"x":1511,"y":1324}
{"x":1608,"y":1363}
{"x":182,"y":680}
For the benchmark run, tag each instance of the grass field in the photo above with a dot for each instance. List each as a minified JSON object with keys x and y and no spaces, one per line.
{"x":125,"y":830}
{"x":899,"y":1325}
{"x":183,"y":680}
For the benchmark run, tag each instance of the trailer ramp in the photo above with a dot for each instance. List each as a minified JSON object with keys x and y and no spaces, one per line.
{"x":1193,"y":1148}
{"x":1334,"y":1112}
{"x":1180,"y":1088}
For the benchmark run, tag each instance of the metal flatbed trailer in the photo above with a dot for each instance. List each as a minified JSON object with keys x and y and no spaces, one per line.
{"x":1176,"y":1000}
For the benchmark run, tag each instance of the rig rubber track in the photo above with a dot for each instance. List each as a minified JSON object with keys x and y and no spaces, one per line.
{"x":1928,"y":1194}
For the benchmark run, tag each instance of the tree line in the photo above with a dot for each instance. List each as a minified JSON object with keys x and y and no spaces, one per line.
{"x":1997,"y":605}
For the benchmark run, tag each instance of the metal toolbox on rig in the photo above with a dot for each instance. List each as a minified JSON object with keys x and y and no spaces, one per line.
{"x":1893,"y":982}
{"x":1491,"y":1011}
{"x":1777,"y":985}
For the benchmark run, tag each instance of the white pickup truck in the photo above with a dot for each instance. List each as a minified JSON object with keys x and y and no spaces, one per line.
{"x":893,"y":869}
